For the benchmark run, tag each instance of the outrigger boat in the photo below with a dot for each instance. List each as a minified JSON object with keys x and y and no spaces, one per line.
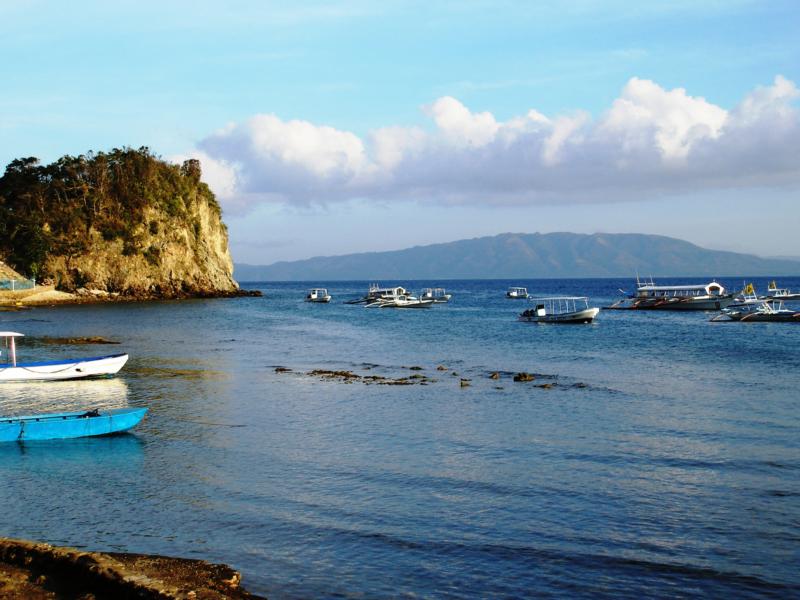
{"x":438,"y":295}
{"x":56,"y":426}
{"x":401,"y":301}
{"x":648,"y":296}
{"x":560,"y":309}
{"x":773,"y":291}
{"x":376,"y":293}
{"x":769,"y":310}
{"x":318,"y":295}
{"x":78,"y":368}
{"x":747,"y":296}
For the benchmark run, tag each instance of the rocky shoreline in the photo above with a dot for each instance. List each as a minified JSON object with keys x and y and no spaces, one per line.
{"x":46,"y":295}
{"x":37,"y":571}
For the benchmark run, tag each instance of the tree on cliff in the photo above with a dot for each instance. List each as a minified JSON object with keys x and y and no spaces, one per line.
{"x":52,"y":216}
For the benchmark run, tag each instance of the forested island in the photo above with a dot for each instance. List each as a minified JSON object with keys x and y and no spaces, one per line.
{"x":124,"y":223}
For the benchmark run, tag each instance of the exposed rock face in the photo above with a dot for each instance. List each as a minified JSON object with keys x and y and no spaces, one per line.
{"x":176,"y":261}
{"x":123,"y":222}
{"x":8,"y":273}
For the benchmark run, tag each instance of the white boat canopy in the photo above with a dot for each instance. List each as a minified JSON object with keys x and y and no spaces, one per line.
{"x":708,"y":289}
{"x":557,"y":305}
{"x":10,"y":336}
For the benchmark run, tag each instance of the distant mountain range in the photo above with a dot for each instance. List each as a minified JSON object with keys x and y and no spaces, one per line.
{"x":528,"y":256}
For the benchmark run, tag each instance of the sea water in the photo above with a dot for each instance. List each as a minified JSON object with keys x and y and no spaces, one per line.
{"x":662,"y":460}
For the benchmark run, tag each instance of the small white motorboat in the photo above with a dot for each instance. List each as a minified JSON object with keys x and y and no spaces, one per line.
{"x":438,"y":295}
{"x":517,"y":293}
{"x":318,"y":295}
{"x":78,"y":368}
{"x":560,"y":309}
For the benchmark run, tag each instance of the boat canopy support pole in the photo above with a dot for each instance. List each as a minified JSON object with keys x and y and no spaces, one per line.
{"x":13,"y":353}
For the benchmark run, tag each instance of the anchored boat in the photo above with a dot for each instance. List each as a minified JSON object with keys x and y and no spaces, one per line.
{"x":648,"y":296}
{"x":773,"y":291}
{"x":376,"y":293}
{"x":769,"y":310}
{"x":56,"y":426}
{"x":747,"y":296}
{"x":78,"y":368}
{"x":400,"y":301}
{"x":560,"y":309}
{"x":438,"y":295}
{"x":318,"y":295}
{"x":517,"y":293}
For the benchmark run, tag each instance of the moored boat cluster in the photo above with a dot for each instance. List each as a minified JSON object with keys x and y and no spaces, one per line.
{"x":712,"y":296}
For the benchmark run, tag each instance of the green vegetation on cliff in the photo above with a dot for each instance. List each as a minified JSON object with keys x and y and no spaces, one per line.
{"x":123,"y":221}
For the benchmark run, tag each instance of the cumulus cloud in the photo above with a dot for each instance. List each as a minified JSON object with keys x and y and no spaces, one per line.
{"x":649,"y":142}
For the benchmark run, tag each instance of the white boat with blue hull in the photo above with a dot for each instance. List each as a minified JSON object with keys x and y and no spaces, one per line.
{"x":77,"y":368}
{"x":560,"y":309}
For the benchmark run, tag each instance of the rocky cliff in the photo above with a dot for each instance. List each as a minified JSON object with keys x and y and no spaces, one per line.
{"x":123,"y":222}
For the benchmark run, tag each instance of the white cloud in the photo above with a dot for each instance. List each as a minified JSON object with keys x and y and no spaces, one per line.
{"x":651,"y":141}
{"x":461,"y":127}
{"x":564,"y":130}
{"x":646,"y":112}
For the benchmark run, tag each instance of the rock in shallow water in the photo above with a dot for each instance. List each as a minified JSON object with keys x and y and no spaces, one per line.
{"x":32,"y":570}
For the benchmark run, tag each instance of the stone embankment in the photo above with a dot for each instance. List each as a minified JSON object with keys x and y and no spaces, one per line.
{"x":36,"y":571}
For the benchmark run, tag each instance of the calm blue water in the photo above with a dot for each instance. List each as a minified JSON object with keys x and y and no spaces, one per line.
{"x":673,"y":470}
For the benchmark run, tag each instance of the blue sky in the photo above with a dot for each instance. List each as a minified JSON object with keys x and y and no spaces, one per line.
{"x":327,"y":128}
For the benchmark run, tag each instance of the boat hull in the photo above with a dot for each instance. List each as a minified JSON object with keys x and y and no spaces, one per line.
{"x":580,"y":316}
{"x":786,"y":297}
{"x":407,"y":304}
{"x":754,"y":317}
{"x":437,"y":299}
{"x":78,"y":368}
{"x":692,"y":304}
{"x":675,"y":304}
{"x":69,"y":425}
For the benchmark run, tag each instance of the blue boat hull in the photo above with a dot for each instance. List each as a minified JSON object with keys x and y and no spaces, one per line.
{"x":69,"y":425}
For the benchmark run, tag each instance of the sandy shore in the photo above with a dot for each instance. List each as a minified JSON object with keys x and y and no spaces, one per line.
{"x":37,"y":571}
{"x":41,"y":294}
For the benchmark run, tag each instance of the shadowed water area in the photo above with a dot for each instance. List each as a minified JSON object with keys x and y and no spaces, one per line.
{"x":654,"y":454}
